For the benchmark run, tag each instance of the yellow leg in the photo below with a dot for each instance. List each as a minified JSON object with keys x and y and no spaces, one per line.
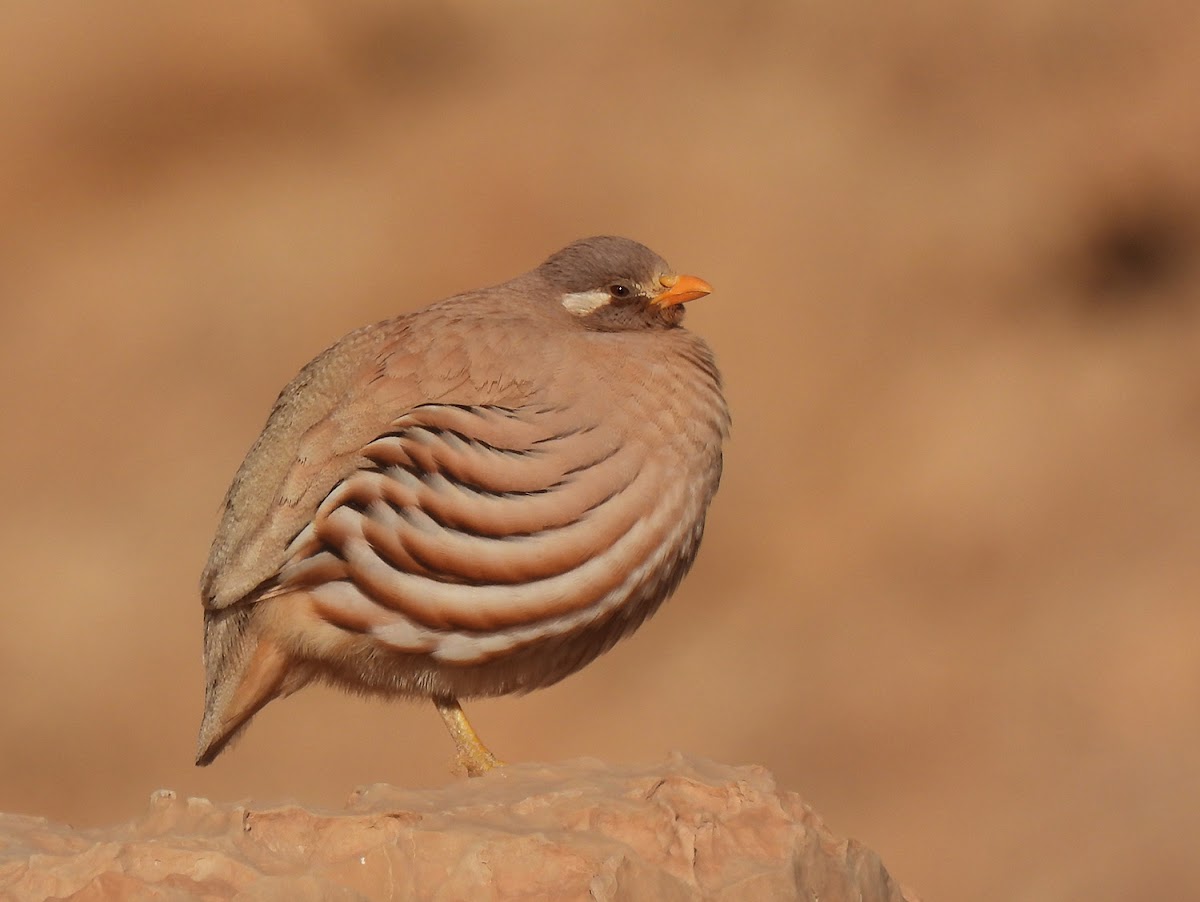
{"x":473,"y":755}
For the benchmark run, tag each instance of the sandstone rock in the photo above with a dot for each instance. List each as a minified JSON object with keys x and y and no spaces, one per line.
{"x":686,"y":829}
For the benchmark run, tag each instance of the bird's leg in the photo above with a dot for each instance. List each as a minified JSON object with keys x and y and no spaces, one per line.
{"x":473,"y":755}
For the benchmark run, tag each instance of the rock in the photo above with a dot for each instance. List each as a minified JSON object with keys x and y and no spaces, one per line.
{"x":686,"y":829}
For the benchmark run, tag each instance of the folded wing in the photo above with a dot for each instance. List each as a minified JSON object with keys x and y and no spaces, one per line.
{"x":469,"y":520}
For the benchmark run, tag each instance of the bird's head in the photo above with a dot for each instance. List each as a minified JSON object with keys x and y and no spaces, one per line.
{"x":614,"y":284}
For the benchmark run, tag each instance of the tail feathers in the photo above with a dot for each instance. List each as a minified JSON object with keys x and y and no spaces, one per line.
{"x":246,"y":670}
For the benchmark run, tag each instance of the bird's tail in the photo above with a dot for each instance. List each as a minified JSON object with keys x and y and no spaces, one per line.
{"x":244,"y":670}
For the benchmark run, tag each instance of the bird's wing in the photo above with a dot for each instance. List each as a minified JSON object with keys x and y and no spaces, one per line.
{"x":268,"y":498}
{"x":482,"y":518}
{"x":317,"y":430}
{"x":390,"y":451}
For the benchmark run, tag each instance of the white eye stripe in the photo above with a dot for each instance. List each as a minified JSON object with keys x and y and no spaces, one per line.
{"x":581,"y":303}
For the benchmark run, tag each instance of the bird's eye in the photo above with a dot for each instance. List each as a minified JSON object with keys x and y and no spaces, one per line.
{"x":618,"y":290}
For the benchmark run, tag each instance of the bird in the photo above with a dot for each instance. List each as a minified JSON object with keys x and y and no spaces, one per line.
{"x":471,"y":500}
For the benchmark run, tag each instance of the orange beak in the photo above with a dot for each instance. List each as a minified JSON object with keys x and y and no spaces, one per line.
{"x":681,"y":289}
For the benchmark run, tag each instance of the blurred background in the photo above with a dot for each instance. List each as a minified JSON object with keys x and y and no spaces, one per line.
{"x":949,"y":588}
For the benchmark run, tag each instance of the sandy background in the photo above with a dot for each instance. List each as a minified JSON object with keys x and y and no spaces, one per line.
{"x":949,"y":589}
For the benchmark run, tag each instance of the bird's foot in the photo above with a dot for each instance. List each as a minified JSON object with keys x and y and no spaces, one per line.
{"x":473,"y":756}
{"x":476,"y":762}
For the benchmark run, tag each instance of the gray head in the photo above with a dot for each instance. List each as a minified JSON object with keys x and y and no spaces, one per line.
{"x":613,"y":283}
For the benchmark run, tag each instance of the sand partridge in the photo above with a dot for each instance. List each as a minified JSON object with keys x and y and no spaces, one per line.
{"x":471,"y":500}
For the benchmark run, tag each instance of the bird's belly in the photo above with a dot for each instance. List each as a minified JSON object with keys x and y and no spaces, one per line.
{"x":355,"y":641}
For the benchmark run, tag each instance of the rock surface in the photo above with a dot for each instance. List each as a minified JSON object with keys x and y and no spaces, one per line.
{"x":685,"y":829}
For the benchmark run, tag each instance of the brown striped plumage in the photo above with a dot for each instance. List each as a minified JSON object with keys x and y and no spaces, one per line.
{"x":470,"y":500}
